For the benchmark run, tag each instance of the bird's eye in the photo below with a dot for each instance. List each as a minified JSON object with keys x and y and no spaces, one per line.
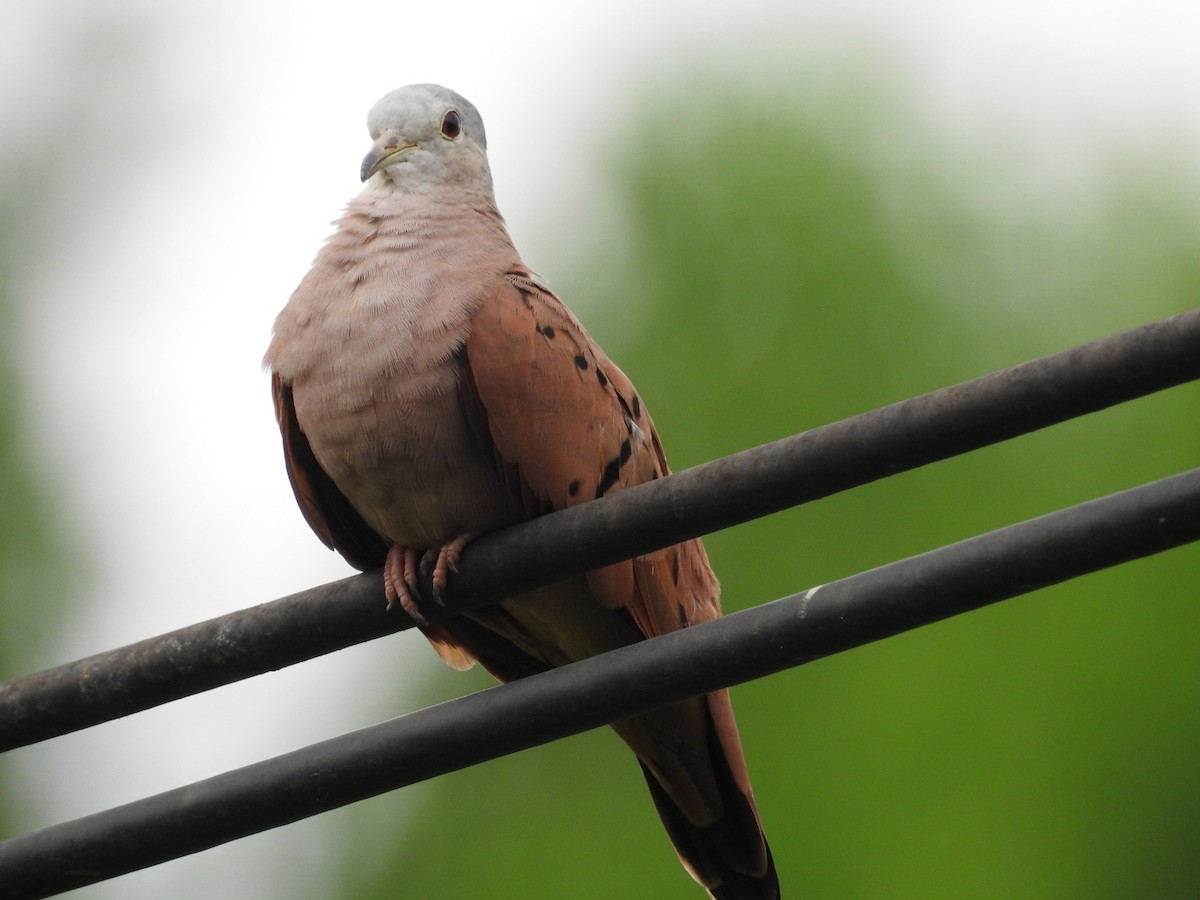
{"x":451,"y":126}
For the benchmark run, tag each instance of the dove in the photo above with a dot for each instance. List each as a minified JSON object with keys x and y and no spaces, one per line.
{"x":430,"y":387}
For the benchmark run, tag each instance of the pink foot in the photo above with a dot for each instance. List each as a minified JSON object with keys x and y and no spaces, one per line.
{"x":400,"y":581}
{"x":446,"y":562}
{"x":400,"y":573}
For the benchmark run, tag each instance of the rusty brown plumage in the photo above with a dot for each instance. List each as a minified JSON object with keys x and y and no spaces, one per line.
{"x":428,"y":386}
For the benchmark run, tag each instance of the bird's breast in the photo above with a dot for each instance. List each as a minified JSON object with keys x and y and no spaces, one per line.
{"x":393,"y":437}
{"x":372,"y":344}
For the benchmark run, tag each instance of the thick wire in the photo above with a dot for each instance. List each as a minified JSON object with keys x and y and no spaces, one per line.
{"x":615,"y":685}
{"x":706,"y":498}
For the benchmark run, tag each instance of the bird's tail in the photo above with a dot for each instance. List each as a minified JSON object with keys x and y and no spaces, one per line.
{"x":703,"y":796}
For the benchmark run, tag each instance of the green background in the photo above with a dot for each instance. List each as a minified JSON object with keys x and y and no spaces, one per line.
{"x":1045,"y":747}
{"x":802,"y":256}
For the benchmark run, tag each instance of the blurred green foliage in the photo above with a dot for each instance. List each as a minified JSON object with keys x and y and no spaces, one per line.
{"x":797,"y":262}
{"x":792,"y":267}
{"x":29,"y":542}
{"x":27,"y":537}
{"x":40,"y":563}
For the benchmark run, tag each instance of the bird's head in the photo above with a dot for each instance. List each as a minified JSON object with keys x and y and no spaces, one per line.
{"x":427,"y":137}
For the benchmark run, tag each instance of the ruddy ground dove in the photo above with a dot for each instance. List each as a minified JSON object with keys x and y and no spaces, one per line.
{"x":429,"y":387}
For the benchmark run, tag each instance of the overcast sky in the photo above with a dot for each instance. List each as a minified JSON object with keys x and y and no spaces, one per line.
{"x":143,"y":335}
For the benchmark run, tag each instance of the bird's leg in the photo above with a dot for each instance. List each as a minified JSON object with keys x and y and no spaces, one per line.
{"x":444,"y":562}
{"x":400,"y":581}
{"x":400,"y":573}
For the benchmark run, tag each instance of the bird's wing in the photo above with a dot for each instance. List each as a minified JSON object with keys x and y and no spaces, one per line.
{"x":566,"y":426}
{"x":326,"y":509}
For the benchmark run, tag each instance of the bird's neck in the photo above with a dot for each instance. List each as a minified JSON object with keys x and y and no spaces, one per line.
{"x":434,"y":219}
{"x":417,"y":255}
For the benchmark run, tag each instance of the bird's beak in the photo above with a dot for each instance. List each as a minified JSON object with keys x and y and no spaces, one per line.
{"x":387,"y":147}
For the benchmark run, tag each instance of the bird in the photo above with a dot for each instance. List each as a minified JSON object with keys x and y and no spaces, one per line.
{"x":430,"y":387}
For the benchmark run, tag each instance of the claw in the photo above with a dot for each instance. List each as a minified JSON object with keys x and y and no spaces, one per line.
{"x":401,"y":568}
{"x":410,"y":574}
{"x":448,"y":556}
{"x":400,"y":582}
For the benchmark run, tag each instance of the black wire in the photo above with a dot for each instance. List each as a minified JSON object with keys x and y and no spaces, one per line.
{"x":616,"y":685}
{"x":706,"y":498}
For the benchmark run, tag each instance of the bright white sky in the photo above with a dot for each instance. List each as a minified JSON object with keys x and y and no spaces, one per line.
{"x":144,"y":335}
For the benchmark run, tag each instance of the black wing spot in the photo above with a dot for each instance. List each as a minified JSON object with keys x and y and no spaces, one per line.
{"x":626,"y":451}
{"x":581,"y":362}
{"x":637,"y":407}
{"x":675,"y":569}
{"x":546,"y":331}
{"x":612,"y":472}
{"x":573,"y":487}
{"x":683,"y":619}
{"x":601,"y":377}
